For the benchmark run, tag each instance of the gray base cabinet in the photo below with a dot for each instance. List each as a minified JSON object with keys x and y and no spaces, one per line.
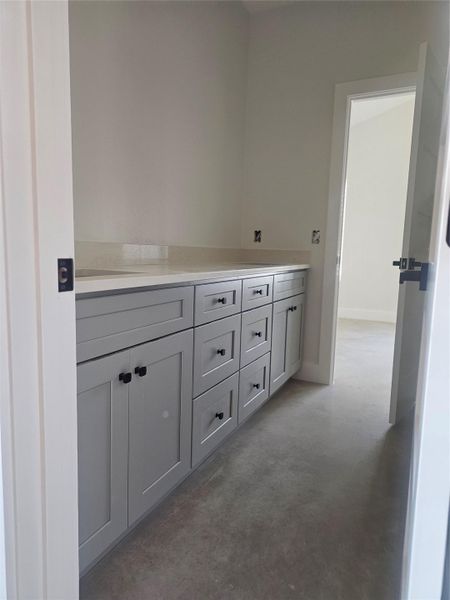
{"x":156,"y":396}
{"x":286,"y":340}
{"x":160,"y":416}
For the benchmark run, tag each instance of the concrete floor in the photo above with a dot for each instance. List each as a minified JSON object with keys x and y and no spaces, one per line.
{"x":306,"y":501}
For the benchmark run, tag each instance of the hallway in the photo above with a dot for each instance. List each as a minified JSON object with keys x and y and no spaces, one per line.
{"x":306,"y":501}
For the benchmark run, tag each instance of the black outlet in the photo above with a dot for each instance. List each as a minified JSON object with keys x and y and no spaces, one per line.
{"x":258,"y":236}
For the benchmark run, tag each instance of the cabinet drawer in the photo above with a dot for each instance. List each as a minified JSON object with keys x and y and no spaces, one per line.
{"x":214,"y":417}
{"x":289,"y":284}
{"x":253,"y":386}
{"x":216,"y":352}
{"x":217,"y":300}
{"x":106,"y":324}
{"x":256,"y":291}
{"x":256,"y":333}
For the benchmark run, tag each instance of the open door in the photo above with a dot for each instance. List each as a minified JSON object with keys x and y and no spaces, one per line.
{"x":415,"y":258}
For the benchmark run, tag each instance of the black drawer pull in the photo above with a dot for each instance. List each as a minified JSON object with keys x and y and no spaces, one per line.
{"x":222,"y":300}
{"x":260,"y":292}
{"x":221,"y":351}
{"x":292,"y":308}
{"x":125,"y":377}
{"x":141,"y":371}
{"x":256,"y":386}
{"x":219,"y":416}
{"x":258,"y":333}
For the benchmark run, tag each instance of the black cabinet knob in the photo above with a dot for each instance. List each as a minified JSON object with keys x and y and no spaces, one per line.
{"x":258,"y":333}
{"x":219,"y":416}
{"x":221,"y":351}
{"x":294,"y":308}
{"x":256,"y":386}
{"x":222,"y":300}
{"x":125,"y":377}
{"x":259,"y":292}
{"x":141,"y":371}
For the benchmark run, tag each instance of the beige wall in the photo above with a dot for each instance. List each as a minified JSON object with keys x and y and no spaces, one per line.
{"x":158,"y":108}
{"x":377,"y":176}
{"x":296,"y":56}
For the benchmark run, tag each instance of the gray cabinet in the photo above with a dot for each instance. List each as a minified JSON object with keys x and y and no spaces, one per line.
{"x":253,"y":386}
{"x":215,"y":416}
{"x":107,"y":324}
{"x":288,"y":284}
{"x":217,"y":300}
{"x":149,"y":412}
{"x":102,"y":454}
{"x":287,"y":332}
{"x":256,"y":334}
{"x":216,"y":352}
{"x":160,"y":416}
{"x":257,"y":291}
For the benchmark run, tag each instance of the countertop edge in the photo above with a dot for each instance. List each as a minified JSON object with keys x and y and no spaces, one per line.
{"x":133,"y":281}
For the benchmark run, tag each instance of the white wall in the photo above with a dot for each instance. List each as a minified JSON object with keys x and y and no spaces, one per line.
{"x":158,"y":103}
{"x":377,"y":178}
{"x":296,"y":56}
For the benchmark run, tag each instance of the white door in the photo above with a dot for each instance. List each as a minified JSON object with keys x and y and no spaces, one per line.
{"x":429,"y":487}
{"x":417,"y":232}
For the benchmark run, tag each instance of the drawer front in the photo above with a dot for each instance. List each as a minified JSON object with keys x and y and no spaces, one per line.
{"x":256,"y":334}
{"x":217,"y":300}
{"x":253,"y":386}
{"x":216,"y":352}
{"x":214,"y":417}
{"x":289,"y":284}
{"x":106,"y":324}
{"x":256,"y":291}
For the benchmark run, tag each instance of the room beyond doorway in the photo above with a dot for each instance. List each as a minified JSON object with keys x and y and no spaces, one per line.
{"x":374,"y":202}
{"x":378,"y":156}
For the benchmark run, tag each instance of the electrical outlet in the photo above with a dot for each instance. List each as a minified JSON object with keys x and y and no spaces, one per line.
{"x":257,"y":236}
{"x":315,"y":238}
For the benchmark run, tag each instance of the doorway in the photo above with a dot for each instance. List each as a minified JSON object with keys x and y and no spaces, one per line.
{"x":375,"y":192}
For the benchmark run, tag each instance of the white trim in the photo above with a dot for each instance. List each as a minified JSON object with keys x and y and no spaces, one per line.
{"x":38,"y":407}
{"x":365,"y":314}
{"x":344,"y":94}
{"x":309,"y":372}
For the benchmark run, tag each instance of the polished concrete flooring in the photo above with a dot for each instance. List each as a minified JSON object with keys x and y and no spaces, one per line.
{"x":306,"y":501}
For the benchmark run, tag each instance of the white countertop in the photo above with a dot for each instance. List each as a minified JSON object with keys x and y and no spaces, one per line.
{"x":166,"y":274}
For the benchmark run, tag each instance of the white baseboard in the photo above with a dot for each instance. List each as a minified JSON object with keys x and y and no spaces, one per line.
{"x":385,"y":316}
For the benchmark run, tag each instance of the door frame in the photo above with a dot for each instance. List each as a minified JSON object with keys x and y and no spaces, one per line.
{"x":38,"y":412}
{"x":344,"y":94}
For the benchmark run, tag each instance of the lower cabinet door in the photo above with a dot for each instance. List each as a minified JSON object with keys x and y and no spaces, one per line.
{"x":102,"y":454}
{"x":215,"y":416}
{"x":160,"y":418}
{"x":279,"y":358}
{"x":253,"y":386}
{"x":287,"y":332}
{"x":295,"y":334}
